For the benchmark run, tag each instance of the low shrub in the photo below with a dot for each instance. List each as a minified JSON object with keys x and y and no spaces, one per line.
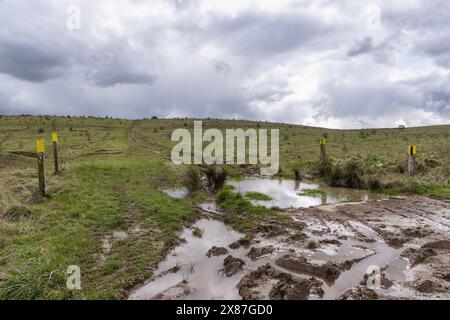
{"x":192,"y":179}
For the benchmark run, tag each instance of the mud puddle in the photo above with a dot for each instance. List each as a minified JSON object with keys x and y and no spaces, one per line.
{"x":188,"y":272}
{"x":291,"y":194}
{"x":330,"y":261}
{"x":197,"y":269}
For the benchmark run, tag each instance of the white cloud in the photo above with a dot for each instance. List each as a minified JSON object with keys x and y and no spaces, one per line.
{"x":307,"y":62}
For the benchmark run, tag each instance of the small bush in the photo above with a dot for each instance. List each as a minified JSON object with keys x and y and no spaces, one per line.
{"x":197,"y":232}
{"x":16,"y":213}
{"x":216,"y":177}
{"x":41,"y":130}
{"x":349,"y":174}
{"x":373,"y":183}
{"x":192,"y":179}
{"x":335,"y":177}
{"x":353,"y":174}
{"x":431,"y":163}
{"x":325,"y":168}
{"x":399,"y":169}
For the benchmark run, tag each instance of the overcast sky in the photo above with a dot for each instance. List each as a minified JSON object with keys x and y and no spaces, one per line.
{"x":338,"y":64}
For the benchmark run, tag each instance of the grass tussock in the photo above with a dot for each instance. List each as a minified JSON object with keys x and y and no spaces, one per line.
{"x":216,"y":177}
{"x":197,"y":232}
{"x":317,"y":193}
{"x":368,"y":173}
{"x":257,"y":196}
{"x":192,"y":179}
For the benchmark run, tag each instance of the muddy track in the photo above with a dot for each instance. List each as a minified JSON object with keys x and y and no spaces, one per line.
{"x":407,"y":239}
{"x":135,"y":137}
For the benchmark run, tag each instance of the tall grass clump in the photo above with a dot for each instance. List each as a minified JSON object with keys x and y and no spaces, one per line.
{"x":216,"y":177}
{"x":192,"y":179}
{"x":348,"y":174}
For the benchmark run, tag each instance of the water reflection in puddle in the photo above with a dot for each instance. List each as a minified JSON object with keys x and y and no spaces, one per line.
{"x":200,"y":277}
{"x":177,"y":193}
{"x":284,"y":193}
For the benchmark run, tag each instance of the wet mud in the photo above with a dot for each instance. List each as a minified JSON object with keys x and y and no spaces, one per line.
{"x":402,"y":241}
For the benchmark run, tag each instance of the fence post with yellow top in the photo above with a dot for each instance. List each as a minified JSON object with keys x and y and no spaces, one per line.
{"x":322,"y":149}
{"x":412,"y":150}
{"x":40,"y":152}
{"x":55,"y":151}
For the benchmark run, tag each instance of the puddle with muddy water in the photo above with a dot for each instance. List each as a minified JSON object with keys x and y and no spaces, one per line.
{"x":197,"y":276}
{"x":188,"y":273}
{"x":285,"y":193}
{"x":179,"y":193}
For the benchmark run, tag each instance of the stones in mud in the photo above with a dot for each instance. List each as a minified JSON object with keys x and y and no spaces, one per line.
{"x":359,"y":293}
{"x":281,"y":285}
{"x":291,"y":291}
{"x":240,"y":243}
{"x":446,"y":277}
{"x":417,"y":256}
{"x":270,"y":230}
{"x":232,"y":265}
{"x":385,"y":283}
{"x":392,"y":239}
{"x":16,"y":213}
{"x":396,"y":242}
{"x":256,"y":253}
{"x":428,"y":286}
{"x":328,"y":271}
{"x":331,"y":241}
{"x":441,"y":244}
{"x":217,"y":251}
{"x":173,"y":293}
{"x":416,"y":232}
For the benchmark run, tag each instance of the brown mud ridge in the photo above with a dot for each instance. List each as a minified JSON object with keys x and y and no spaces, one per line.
{"x":325,"y":252}
{"x":268,"y":282}
{"x":415,"y":263}
{"x":327,"y":271}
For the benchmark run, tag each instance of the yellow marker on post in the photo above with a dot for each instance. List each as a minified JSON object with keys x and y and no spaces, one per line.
{"x":40,"y":146}
{"x":412,"y":150}
{"x":322,"y":149}
{"x":55,"y":151}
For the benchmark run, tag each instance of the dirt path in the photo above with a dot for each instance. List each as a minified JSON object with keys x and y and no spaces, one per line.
{"x":406,"y":239}
{"x":135,"y":137}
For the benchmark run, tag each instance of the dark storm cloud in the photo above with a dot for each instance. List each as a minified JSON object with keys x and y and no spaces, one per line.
{"x":440,"y":103}
{"x":263,"y":34}
{"x":30,"y":62}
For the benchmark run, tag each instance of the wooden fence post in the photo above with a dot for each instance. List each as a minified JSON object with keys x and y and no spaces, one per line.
{"x":411,"y":159}
{"x":40,"y":148}
{"x":55,"y":151}
{"x":322,"y":149}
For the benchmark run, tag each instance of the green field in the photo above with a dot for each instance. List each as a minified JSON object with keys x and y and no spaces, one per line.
{"x":112,"y":177}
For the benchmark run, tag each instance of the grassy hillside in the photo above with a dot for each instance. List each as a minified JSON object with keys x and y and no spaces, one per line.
{"x":113,"y":174}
